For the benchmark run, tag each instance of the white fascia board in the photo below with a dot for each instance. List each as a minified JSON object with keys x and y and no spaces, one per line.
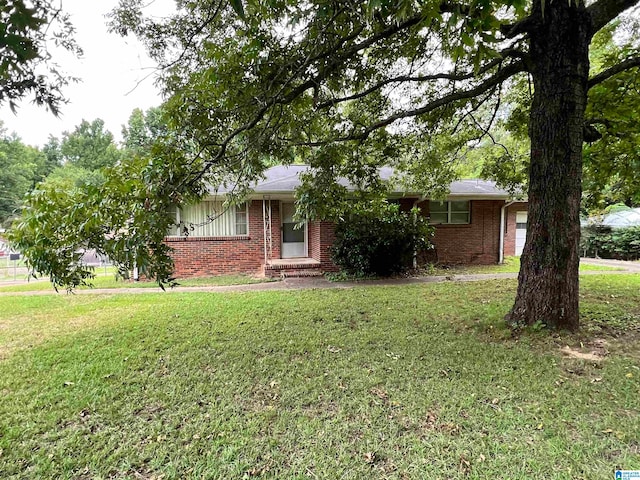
{"x":273,"y":195}
{"x":477,"y":197}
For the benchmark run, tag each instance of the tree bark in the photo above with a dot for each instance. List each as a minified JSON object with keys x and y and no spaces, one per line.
{"x":559,"y":64}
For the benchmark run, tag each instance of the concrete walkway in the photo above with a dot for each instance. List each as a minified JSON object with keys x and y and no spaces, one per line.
{"x":627,"y":267}
{"x":323,"y":283}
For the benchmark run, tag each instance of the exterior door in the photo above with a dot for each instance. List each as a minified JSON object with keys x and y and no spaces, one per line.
{"x":294,"y":240}
{"x":521,"y":231}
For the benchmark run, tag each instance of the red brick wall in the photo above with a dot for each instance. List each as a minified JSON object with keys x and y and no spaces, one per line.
{"x":276,"y":232}
{"x":477,"y":242}
{"x":201,"y":256}
{"x":313,"y":240}
{"x":321,"y":237}
{"x":510,"y":227}
{"x":474,"y":243}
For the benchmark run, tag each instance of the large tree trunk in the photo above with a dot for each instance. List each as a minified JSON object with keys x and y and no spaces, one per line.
{"x":548,"y":279}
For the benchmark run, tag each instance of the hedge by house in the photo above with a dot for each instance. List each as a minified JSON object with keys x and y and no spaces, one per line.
{"x":380,"y":241}
{"x":602,"y":241}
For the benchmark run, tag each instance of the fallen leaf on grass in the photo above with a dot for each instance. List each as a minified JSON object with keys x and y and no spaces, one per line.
{"x":370,"y":457}
{"x":381,"y":393}
{"x":465,"y":465}
{"x":259,"y":470}
{"x":431,"y":420}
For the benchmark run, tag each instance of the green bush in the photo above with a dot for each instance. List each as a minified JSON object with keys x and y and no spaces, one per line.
{"x":602,"y":241}
{"x":380,"y":241}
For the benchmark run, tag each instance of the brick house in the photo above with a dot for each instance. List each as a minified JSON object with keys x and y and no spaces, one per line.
{"x":477,"y":224}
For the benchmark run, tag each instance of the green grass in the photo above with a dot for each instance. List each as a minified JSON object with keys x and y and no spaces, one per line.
{"x":109,"y":280}
{"x":510,"y":265}
{"x":379,"y":382}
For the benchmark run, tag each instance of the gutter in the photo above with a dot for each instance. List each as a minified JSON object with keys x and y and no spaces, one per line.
{"x":502,"y":224}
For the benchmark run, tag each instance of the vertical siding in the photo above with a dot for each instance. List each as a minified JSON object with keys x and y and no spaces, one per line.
{"x":209,"y":219}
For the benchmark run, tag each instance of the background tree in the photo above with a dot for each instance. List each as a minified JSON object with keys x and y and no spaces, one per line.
{"x":53,"y":156}
{"x":143,"y":129}
{"x":612,"y":162}
{"x":611,"y":152}
{"x":89,"y":146}
{"x":29,"y":29}
{"x":20,"y":166}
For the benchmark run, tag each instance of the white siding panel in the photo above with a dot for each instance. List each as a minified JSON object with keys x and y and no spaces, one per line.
{"x":521,"y":231}
{"x":209,"y":219}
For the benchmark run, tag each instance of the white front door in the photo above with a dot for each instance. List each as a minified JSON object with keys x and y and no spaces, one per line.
{"x":294,"y":240}
{"x":521,"y":231}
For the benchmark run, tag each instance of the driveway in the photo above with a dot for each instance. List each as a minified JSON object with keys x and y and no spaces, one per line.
{"x":628,"y":267}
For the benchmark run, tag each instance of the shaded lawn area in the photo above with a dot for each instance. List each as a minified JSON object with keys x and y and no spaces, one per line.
{"x":377,"y":382}
{"x":510,"y":265}
{"x":109,"y":280}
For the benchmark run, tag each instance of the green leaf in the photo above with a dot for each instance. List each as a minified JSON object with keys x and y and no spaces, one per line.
{"x":239,"y":9}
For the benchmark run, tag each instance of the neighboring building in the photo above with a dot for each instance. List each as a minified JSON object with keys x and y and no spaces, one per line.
{"x":622,"y":218}
{"x":260,"y":237}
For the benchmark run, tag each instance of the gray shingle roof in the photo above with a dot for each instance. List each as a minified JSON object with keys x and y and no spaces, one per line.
{"x":284,"y":179}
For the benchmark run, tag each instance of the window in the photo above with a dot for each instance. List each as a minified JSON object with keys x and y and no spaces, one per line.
{"x":449,"y":212}
{"x":211,"y":219}
{"x":241,"y":219}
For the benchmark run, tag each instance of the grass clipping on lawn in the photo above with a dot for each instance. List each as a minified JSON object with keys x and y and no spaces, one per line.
{"x":377,"y":382}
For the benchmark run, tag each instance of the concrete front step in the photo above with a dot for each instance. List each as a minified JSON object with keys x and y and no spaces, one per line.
{"x":300,"y":273}
{"x":290,"y":268}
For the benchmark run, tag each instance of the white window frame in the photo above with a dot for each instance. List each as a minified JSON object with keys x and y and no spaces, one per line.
{"x":450,"y":212}
{"x":234,"y":209}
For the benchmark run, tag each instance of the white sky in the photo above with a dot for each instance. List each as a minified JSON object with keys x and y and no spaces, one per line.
{"x":109,"y":70}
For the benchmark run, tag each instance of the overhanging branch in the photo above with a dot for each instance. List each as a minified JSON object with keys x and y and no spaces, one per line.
{"x":627,"y":64}
{"x":282,"y":98}
{"x":451,"y":76}
{"x":485,"y":86}
{"x":603,"y":11}
{"x":491,"y":82}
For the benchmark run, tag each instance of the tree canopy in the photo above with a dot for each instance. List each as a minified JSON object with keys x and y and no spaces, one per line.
{"x":348,"y":87}
{"x":28,"y":31}
{"x":89,"y":146}
{"x":20,"y":168}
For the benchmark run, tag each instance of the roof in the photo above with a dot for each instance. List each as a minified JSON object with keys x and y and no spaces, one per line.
{"x":622,"y":218}
{"x":284,"y":179}
{"x":626,"y":217}
{"x":477,"y":187}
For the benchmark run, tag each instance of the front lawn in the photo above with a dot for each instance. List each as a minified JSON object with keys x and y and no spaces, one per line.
{"x":400,"y":382}
{"x":109,"y":280}
{"x":510,"y":265}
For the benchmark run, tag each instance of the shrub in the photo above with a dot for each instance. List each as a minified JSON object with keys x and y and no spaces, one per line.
{"x":620,"y":243}
{"x":380,"y":241}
